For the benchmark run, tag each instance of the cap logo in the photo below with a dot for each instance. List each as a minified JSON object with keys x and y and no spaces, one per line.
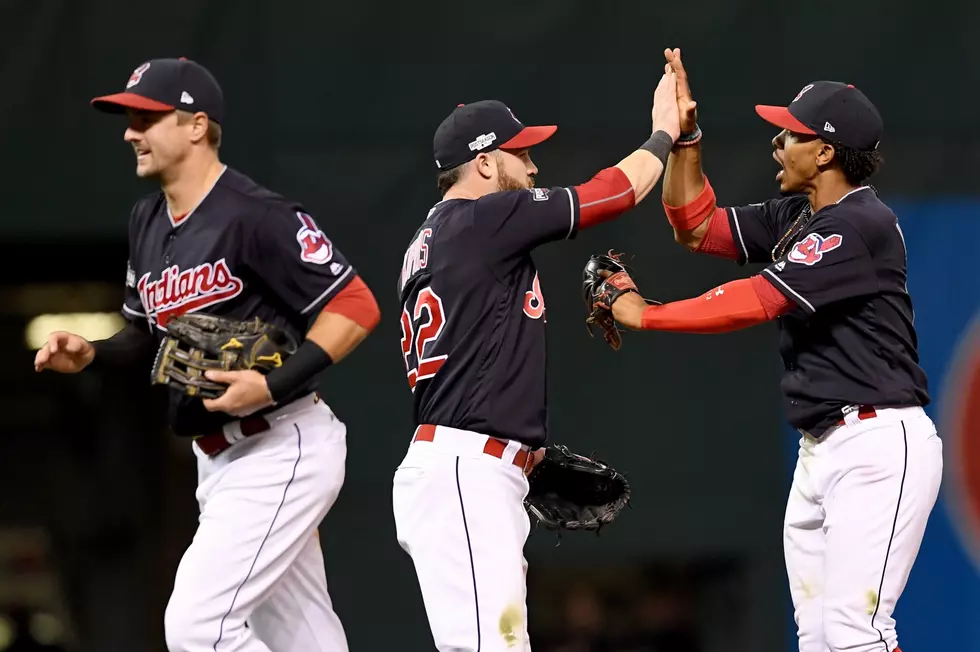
{"x":137,"y":75}
{"x":186,"y":98}
{"x":804,"y":90}
{"x":482,"y":141}
{"x":828,"y":127}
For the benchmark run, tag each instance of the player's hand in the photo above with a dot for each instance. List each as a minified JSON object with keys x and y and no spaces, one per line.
{"x":665,"y":111}
{"x":64,"y":352}
{"x":628,"y":310}
{"x":685,"y":101}
{"x":247,"y":392}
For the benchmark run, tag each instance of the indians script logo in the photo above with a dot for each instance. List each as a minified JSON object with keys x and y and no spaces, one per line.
{"x":810,"y":250}
{"x":960,"y":430}
{"x":315,"y":247}
{"x":177,"y":292}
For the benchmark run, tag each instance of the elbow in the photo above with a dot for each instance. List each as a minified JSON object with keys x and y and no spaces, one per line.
{"x":687,"y":239}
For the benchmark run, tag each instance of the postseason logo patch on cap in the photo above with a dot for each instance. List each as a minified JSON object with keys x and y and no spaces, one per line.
{"x":482,"y":141}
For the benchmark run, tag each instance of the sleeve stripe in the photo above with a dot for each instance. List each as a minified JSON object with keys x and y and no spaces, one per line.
{"x":790,"y":290}
{"x":132,"y":312}
{"x":327,"y":291}
{"x":738,"y":230}
{"x":571,"y":211}
{"x":605,"y":199}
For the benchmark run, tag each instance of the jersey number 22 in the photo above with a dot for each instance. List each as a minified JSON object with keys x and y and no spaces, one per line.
{"x":416,"y":334}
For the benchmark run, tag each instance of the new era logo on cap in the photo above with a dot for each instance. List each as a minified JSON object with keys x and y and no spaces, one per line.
{"x":165,"y":85}
{"x":834,"y":111}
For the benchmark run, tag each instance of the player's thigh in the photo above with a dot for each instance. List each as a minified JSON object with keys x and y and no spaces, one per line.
{"x":468,"y":548}
{"x":258,"y":516}
{"x":876,"y":517}
{"x":804,"y":547}
{"x":298,"y":615}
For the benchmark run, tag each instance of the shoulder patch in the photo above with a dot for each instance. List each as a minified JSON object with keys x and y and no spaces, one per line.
{"x":539,"y":194}
{"x":130,"y":275}
{"x":810,"y":250}
{"x":315,"y":247}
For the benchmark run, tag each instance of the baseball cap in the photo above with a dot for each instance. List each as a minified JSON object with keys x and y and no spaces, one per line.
{"x":482,"y":127}
{"x":166,"y":85}
{"x":831,"y":110}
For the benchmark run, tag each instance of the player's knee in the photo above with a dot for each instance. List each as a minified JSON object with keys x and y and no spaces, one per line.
{"x":186,"y":631}
{"x":849,"y":630}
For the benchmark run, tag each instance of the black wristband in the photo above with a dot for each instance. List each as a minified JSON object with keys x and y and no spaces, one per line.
{"x":659,"y":144}
{"x":126,"y":347}
{"x":297,"y":370}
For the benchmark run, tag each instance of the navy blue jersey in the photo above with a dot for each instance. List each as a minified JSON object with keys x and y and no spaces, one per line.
{"x":851,"y":340}
{"x":242,"y":252}
{"x":473,"y":315}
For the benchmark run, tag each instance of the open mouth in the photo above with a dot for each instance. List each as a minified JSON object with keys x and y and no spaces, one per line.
{"x":782,"y":169}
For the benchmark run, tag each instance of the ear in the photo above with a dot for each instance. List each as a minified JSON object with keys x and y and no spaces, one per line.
{"x":824,"y":154}
{"x":486,"y":165}
{"x":199,"y":127}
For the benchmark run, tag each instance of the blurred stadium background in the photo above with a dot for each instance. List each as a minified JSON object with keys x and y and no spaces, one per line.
{"x":334,"y":104}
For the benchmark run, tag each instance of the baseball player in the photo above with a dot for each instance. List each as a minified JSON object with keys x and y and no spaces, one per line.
{"x":473,"y":340}
{"x":271,"y":454}
{"x":870,"y":460}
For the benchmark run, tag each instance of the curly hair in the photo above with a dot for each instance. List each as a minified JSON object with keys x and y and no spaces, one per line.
{"x":857,"y":165}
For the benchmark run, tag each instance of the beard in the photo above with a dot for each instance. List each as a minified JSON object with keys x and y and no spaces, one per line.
{"x":507,"y":182}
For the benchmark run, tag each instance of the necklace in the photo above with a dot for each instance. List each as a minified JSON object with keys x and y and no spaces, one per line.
{"x":801,"y":221}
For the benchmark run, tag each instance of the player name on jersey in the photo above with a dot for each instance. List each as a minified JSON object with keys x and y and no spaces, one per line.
{"x":417,"y":256}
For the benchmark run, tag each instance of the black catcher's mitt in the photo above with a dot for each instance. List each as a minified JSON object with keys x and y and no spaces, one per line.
{"x":604,"y":280}
{"x":196,"y":343}
{"x":572,"y":492}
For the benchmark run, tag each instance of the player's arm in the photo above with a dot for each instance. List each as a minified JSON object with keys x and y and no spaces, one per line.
{"x":300,"y":265}
{"x":830,"y":263}
{"x":730,"y":307}
{"x":346,"y":320}
{"x":514,"y":222}
{"x":745,"y":234}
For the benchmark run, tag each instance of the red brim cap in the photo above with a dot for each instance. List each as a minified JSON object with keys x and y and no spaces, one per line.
{"x":529,"y":137}
{"x":119,"y":102}
{"x":781,"y":117}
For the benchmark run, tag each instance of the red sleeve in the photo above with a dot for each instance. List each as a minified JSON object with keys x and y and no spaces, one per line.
{"x":690,"y":216}
{"x":718,"y":240}
{"x":605,"y":196}
{"x":773,"y":301}
{"x":357,"y":303}
{"x":732,"y":306}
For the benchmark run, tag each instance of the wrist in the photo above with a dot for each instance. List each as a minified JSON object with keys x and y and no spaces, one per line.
{"x":628,"y":310}
{"x":659,"y":144}
{"x":297,"y":370}
{"x":689,"y":139}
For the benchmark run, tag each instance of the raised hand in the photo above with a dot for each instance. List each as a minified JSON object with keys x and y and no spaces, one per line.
{"x":686,"y":105}
{"x":665,"y":112}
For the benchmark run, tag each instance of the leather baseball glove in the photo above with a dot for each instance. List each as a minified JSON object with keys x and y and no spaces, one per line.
{"x":604,"y":279}
{"x":196,"y":343}
{"x":572,"y":492}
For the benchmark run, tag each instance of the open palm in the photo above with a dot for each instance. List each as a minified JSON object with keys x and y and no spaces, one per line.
{"x":686,"y":105}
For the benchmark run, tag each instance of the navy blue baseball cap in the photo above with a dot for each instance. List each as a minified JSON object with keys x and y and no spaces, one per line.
{"x":167,"y":85}
{"x":482,"y":127}
{"x":831,"y":110}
